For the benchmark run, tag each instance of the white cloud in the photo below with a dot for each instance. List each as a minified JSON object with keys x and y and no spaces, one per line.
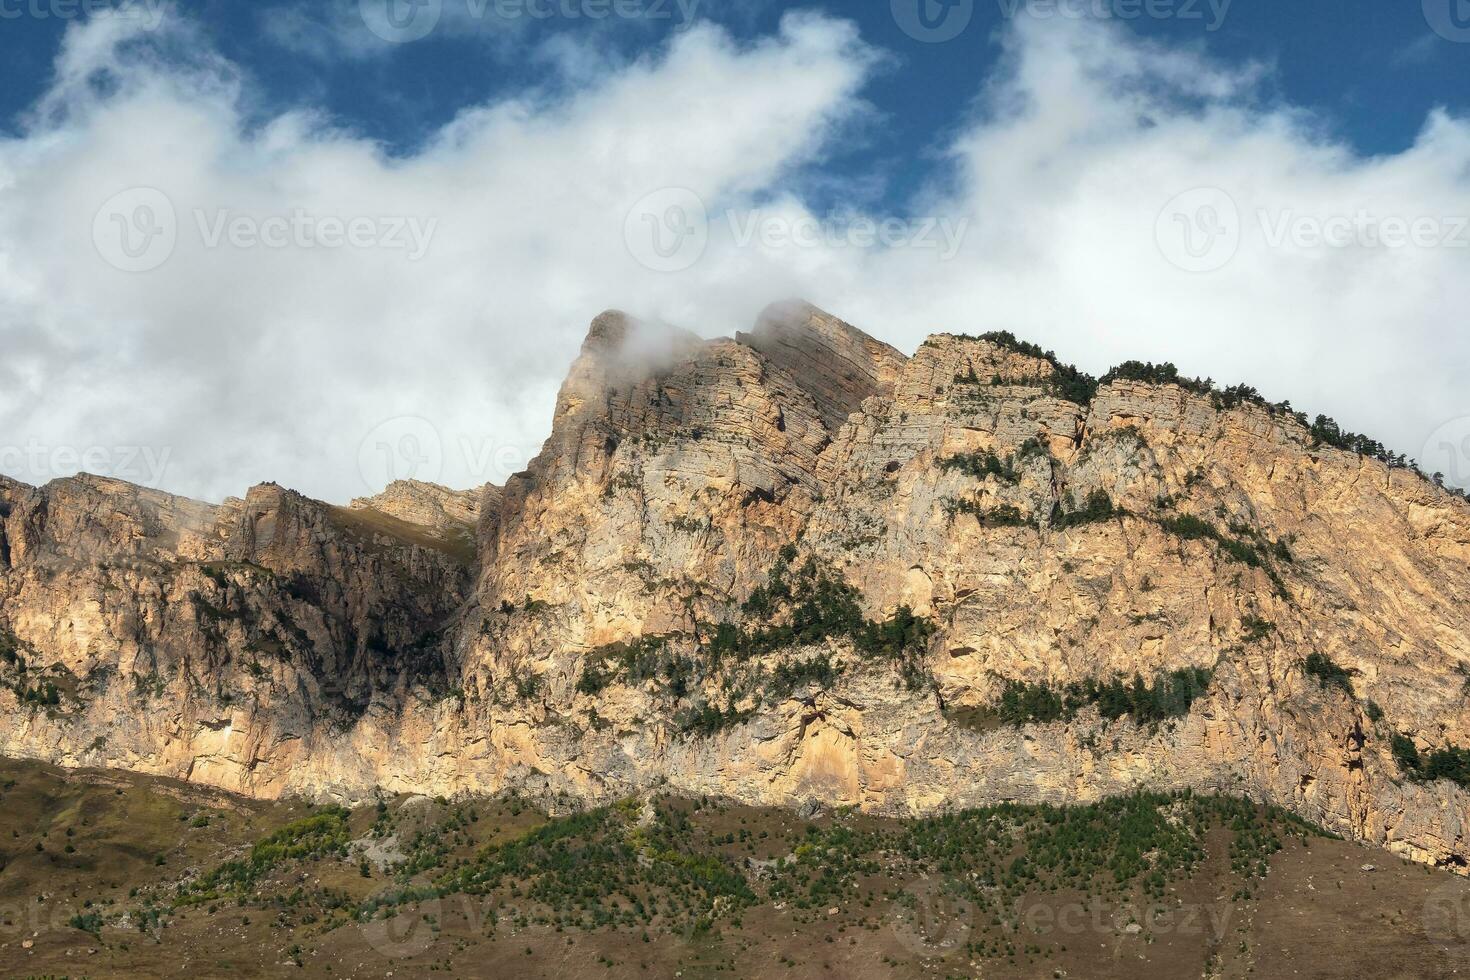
{"x":260,"y":363}
{"x":254,"y":364}
{"x":361,"y":29}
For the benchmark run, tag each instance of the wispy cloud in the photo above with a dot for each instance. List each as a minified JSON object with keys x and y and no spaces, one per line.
{"x":1419,"y":51}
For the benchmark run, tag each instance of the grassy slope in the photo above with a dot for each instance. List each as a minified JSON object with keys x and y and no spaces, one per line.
{"x":1140,"y":887}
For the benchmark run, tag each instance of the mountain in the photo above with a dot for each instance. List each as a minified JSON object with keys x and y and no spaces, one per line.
{"x":795,"y":567}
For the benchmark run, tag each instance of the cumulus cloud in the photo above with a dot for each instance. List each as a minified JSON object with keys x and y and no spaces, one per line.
{"x":1122,"y":200}
{"x":254,"y":356}
{"x":1107,"y":197}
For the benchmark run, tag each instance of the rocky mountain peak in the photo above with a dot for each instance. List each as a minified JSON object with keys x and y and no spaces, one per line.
{"x":836,"y":363}
{"x":792,"y":567}
{"x":620,"y":351}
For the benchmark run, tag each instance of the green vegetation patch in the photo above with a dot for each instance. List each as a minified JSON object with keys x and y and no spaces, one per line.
{"x":626,"y":867}
{"x":986,"y":463}
{"x":316,"y":836}
{"x":1452,"y":762}
{"x":599,"y":868}
{"x":1001,"y":515}
{"x":996,"y":854}
{"x":1099,"y":507}
{"x":1243,"y":545}
{"x":1067,"y":382}
{"x":10,"y":648}
{"x":1170,"y":695}
{"x":800,"y":605}
{"x":981,"y":465}
{"x":1327,"y":672}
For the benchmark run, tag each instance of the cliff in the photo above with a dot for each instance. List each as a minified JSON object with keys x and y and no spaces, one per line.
{"x":794,"y":566}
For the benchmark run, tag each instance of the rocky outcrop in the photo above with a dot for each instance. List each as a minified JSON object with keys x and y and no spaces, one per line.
{"x":428,"y":505}
{"x":792,"y":566}
{"x":838,"y":365}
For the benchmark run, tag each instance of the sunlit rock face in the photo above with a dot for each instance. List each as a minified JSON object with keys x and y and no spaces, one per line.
{"x":904,"y":541}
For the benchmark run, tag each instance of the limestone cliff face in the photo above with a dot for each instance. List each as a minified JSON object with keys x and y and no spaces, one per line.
{"x":903,"y":539}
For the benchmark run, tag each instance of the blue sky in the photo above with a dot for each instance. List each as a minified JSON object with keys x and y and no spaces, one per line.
{"x":1276,"y":193}
{"x":1372,"y":71}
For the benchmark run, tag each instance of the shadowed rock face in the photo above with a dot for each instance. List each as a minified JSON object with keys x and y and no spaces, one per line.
{"x":441,"y":641}
{"x":837,"y":365}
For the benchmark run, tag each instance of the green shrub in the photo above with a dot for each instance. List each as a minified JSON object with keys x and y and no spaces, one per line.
{"x":1066,"y":382}
{"x":1451,"y":763}
{"x":1328,"y":673}
{"x":1405,"y":753}
{"x":981,"y":465}
{"x":1004,"y":515}
{"x":1255,"y":628}
{"x":705,"y":719}
{"x":797,"y":606}
{"x":321,"y":834}
{"x":90,"y":922}
{"x":1171,"y":695}
{"x":1099,"y":507}
{"x":1022,"y":703}
{"x":1157,"y":374}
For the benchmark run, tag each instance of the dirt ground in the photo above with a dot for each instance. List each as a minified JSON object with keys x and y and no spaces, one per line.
{"x":78,"y":844}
